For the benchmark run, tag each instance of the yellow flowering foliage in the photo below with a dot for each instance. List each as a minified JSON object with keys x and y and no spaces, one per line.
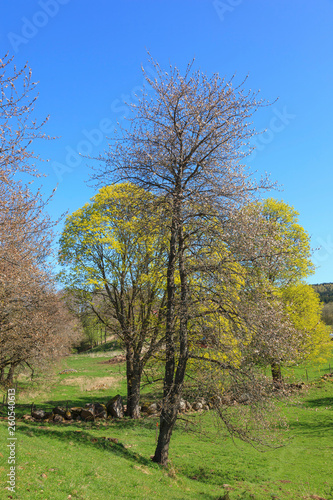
{"x":284,"y":262}
{"x":116,"y":236}
{"x":217,"y":331}
{"x":304,"y":308}
{"x":294,"y":262}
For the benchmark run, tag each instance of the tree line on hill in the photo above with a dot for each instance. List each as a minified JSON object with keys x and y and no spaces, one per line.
{"x":325,"y":291}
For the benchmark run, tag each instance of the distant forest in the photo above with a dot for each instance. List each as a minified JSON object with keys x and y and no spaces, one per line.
{"x":325,"y":291}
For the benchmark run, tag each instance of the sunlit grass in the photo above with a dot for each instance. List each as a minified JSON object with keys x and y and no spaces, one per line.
{"x":77,"y":461}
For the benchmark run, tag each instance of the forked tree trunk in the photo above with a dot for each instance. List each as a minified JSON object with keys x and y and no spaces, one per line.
{"x":276,"y":373}
{"x":168,"y":418}
{"x":173,"y":382}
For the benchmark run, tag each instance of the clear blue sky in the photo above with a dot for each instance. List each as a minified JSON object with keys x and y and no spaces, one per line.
{"x":87,"y":56}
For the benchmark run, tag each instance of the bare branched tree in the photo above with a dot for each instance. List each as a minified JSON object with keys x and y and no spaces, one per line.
{"x":187,"y":142}
{"x":34,"y":324}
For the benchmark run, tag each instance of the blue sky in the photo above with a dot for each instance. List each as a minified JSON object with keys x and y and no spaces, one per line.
{"x":87,"y":58}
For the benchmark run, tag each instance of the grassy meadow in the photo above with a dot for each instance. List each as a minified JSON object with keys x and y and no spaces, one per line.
{"x":77,"y":461}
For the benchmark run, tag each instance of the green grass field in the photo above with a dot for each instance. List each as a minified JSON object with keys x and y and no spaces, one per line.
{"x":76,"y":461}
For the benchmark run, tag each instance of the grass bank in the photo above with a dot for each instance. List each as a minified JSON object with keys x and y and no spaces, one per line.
{"x":79,"y":461}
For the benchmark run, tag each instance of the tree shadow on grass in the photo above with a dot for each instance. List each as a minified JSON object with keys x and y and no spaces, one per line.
{"x":22,"y":409}
{"x":212,"y":477}
{"x":319,"y":403}
{"x":87,"y":440}
{"x":79,"y":401}
{"x":317,"y":425}
{"x":209,"y":496}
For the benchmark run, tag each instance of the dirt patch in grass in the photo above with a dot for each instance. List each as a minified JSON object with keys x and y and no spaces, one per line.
{"x":115,"y":360}
{"x":91,"y":383}
{"x":99,"y":354}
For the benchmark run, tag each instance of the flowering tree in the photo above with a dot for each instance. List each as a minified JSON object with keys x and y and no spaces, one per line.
{"x":34,"y":324}
{"x":112,"y":255}
{"x":187,"y":140}
{"x":282,"y":263}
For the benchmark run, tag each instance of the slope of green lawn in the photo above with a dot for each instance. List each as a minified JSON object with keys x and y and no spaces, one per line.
{"x":77,"y":461}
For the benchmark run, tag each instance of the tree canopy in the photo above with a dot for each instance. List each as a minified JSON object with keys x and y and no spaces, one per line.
{"x":304,"y":308}
{"x":186,"y":142}
{"x":113,"y":251}
{"x":283,"y":262}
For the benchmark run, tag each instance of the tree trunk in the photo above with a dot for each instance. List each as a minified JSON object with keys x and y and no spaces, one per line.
{"x":133,"y":396}
{"x":276,"y":373}
{"x":169,"y":415}
{"x":2,"y":375}
{"x":170,"y":312}
{"x":173,"y":382}
{"x":167,"y":422}
{"x":10,"y":374}
{"x":168,"y":418}
{"x":133,"y":375}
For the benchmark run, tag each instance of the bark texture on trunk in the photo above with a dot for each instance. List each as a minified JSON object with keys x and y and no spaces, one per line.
{"x":276,"y":373}
{"x":133,"y":374}
{"x":10,"y":374}
{"x":168,"y":416}
{"x":2,"y":375}
{"x":174,"y":375}
{"x":170,"y":312}
{"x":167,"y":422}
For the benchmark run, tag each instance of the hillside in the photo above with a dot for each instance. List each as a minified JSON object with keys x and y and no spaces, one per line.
{"x":325,"y":291}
